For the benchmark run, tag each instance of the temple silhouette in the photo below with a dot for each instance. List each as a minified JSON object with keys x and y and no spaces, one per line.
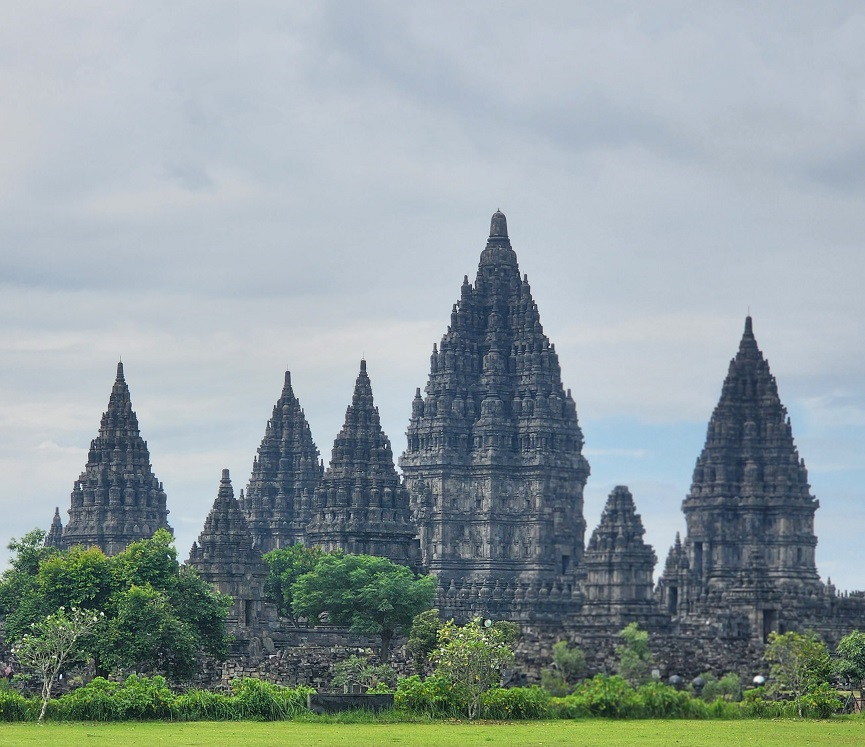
{"x":490,"y":500}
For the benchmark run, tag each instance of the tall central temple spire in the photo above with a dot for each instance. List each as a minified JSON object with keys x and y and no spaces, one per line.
{"x":493,"y":461}
{"x":117,"y":499}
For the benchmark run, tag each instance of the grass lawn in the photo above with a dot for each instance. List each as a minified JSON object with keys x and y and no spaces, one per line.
{"x":837,"y":733}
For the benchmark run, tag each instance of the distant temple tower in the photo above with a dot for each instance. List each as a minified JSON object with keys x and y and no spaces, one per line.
{"x":54,"y":538}
{"x":117,"y":499}
{"x":494,"y":459}
{"x":618,"y":566}
{"x":361,"y":506}
{"x":750,"y":514}
{"x":224,"y":556}
{"x":284,"y":476}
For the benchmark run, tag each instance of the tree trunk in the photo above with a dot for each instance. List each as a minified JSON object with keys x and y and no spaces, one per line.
{"x":386,"y":637}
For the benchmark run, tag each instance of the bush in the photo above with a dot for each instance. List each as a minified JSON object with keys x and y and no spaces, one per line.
{"x":515,"y":703}
{"x":203,"y":705}
{"x":97,"y":701}
{"x":434,"y":696}
{"x":608,"y":697}
{"x":657,"y":700}
{"x":257,"y":700}
{"x":568,"y":707}
{"x":821,"y":702}
{"x":729,"y":687}
{"x":15,"y":707}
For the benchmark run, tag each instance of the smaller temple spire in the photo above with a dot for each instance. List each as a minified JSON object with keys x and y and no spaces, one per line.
{"x":54,"y":538}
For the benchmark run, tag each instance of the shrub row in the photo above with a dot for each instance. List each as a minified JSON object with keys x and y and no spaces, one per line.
{"x":140,"y":698}
{"x":604,"y":697}
{"x":143,"y":698}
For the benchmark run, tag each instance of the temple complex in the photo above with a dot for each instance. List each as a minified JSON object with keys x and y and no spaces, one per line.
{"x":285,"y":473}
{"x":491,"y":501}
{"x":117,"y":499}
{"x":361,"y":506}
{"x":494,"y":460}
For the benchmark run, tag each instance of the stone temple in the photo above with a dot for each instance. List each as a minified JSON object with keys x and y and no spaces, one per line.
{"x":117,"y":499}
{"x":490,"y":501}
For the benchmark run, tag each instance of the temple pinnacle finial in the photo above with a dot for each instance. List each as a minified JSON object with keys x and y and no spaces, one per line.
{"x":749,"y":329}
{"x":120,"y":370}
{"x":499,"y":225}
{"x":225,"y":476}
{"x":287,"y":379}
{"x":363,"y":365}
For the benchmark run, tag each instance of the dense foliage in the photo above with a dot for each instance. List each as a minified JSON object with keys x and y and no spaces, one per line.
{"x":160,"y":617}
{"x":366,"y":593}
{"x":635,"y":657}
{"x":471,"y":658}
{"x":569,"y":666}
{"x":139,"y":698}
{"x":285,"y":566}
{"x":850,"y":662}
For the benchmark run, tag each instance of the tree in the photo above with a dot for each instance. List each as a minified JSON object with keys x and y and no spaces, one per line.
{"x":850,"y":663}
{"x":160,"y":618}
{"x":364,"y":592}
{"x":423,"y":638}
{"x":635,"y":657}
{"x":569,"y":665}
{"x":472,"y":657}
{"x":799,"y":664}
{"x":285,"y":566}
{"x":53,"y":642}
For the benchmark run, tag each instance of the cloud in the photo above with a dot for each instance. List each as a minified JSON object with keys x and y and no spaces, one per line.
{"x":220,"y":193}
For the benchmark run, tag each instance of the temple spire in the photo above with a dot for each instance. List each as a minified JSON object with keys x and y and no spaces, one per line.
{"x":54,"y":538}
{"x":361,"y":505}
{"x":117,"y":499}
{"x":226,"y":557}
{"x":284,"y":475}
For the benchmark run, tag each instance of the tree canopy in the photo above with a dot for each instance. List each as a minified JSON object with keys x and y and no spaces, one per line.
{"x":160,"y":617}
{"x":285,"y":566}
{"x":850,"y":662}
{"x":369,"y":594}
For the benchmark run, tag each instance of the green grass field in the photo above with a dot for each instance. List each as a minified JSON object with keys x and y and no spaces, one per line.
{"x":837,"y":733}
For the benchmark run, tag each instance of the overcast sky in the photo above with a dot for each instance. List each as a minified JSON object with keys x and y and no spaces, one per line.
{"x":218,"y":191}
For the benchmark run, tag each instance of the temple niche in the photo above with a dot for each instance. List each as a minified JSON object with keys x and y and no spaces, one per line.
{"x":117,"y":499}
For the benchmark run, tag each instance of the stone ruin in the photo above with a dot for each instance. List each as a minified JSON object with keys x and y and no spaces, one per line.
{"x":491,"y":502}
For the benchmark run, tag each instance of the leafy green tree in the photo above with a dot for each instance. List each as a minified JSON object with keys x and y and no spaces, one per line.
{"x":285,"y":566}
{"x":53,"y":642}
{"x":423,"y":638}
{"x":364,"y":592}
{"x":850,"y":662}
{"x":471,"y":657}
{"x":635,"y":657}
{"x":569,"y":666}
{"x":159,"y":617}
{"x":799,"y":664}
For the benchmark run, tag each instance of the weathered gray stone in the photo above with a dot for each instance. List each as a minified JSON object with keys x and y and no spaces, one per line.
{"x":285,"y":473}
{"x":117,"y":499}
